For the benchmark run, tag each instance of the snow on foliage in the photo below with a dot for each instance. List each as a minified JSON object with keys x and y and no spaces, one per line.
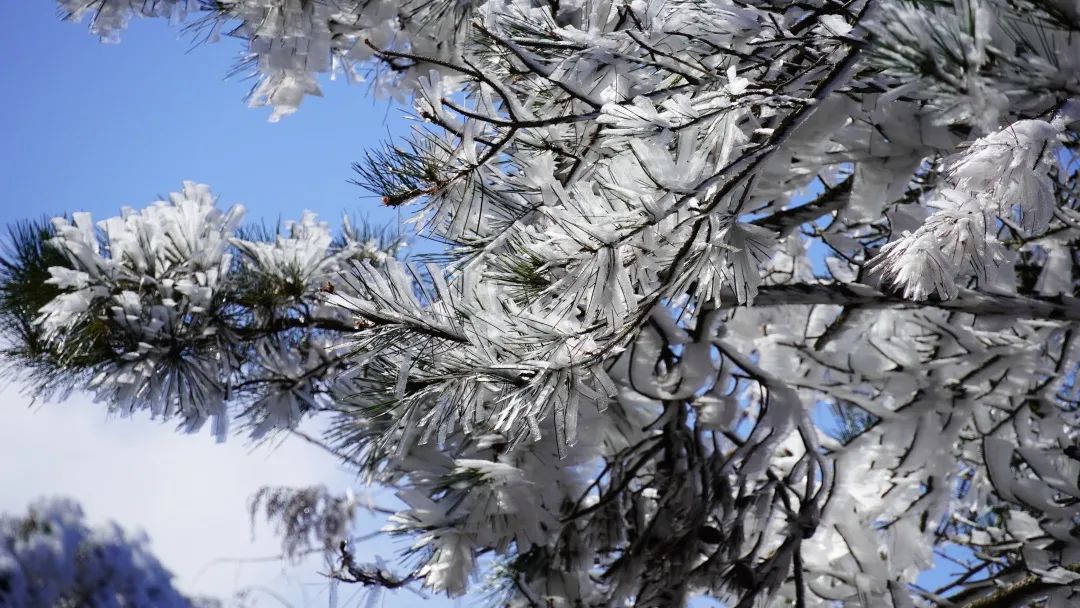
{"x":757,"y":300}
{"x":169,"y":309}
{"x":1003,"y":175}
{"x":51,"y":557}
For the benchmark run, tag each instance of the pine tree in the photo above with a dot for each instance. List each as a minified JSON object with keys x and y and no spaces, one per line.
{"x":51,"y":557}
{"x":764,"y":301}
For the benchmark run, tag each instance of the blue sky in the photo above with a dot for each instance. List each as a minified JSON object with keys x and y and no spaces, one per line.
{"x":93,"y":127}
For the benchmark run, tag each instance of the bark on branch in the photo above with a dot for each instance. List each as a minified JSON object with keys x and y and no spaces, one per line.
{"x":1028,"y":588}
{"x":785,"y":222}
{"x":1020,"y":306}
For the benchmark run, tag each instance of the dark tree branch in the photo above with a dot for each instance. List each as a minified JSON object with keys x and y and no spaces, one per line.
{"x":368,"y":575}
{"x":1027,"y":588}
{"x":1021,"y":306}
{"x":786,"y":221}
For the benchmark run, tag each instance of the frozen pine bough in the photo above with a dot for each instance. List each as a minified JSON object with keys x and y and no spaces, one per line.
{"x":767,"y":302}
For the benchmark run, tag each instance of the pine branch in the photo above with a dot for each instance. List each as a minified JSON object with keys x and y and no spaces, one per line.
{"x":1023,"y":590}
{"x":368,"y":575}
{"x":785,"y":221}
{"x":1021,"y":306}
